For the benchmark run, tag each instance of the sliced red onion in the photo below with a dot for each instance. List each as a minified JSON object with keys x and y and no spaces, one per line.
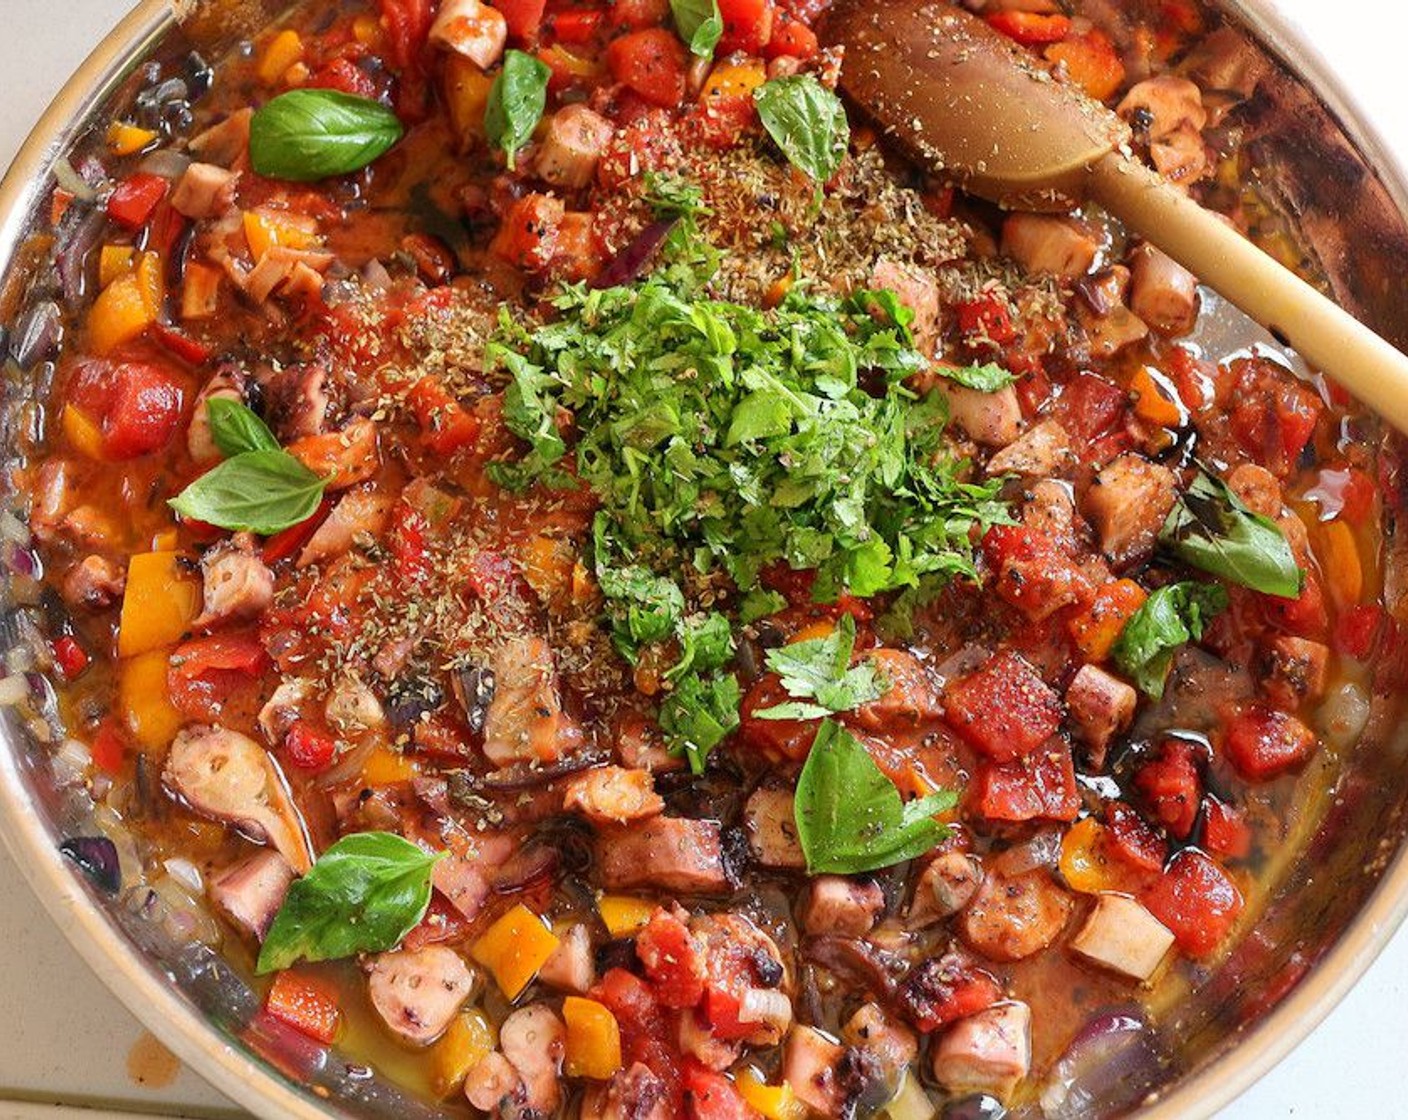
{"x":96,"y":857}
{"x":166,"y":163}
{"x":527,"y":867}
{"x":36,"y":334}
{"x":22,"y":561}
{"x":77,"y":236}
{"x":631,"y":262}
{"x":1112,"y":1063}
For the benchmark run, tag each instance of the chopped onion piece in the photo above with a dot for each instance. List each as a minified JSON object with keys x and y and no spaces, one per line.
{"x":911,"y":1102}
{"x":72,"y":181}
{"x":14,"y":689}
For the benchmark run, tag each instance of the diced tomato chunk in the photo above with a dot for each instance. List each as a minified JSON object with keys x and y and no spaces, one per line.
{"x":1089,"y":406}
{"x":134,"y":200}
{"x":205,"y":672}
{"x":305,"y":1004}
{"x":637,"y":15}
{"x":1130,"y":840}
{"x":1196,"y":900}
{"x":1262,"y":742}
{"x":1357,"y":629}
{"x":528,"y":235}
{"x":789,"y":738}
{"x":1033,"y":573}
{"x":712,"y":1096}
{"x":524,"y":18}
{"x":1041,"y":786}
{"x":577,"y":26}
{"x":1003,"y":709}
{"x":70,"y":658}
{"x":651,"y":62}
{"x":308,"y":748}
{"x":747,"y":25}
{"x":343,"y":75}
{"x":444,"y":424}
{"x":407,"y":27}
{"x":985,"y":320}
{"x":1173,"y":786}
{"x":1304,"y":616}
{"x":793,"y":39}
{"x":1271,"y":414}
{"x":672,"y":960}
{"x":138,"y":405}
{"x":1031,"y":29}
{"x":181,"y":344}
{"x":646,"y":1034}
{"x":290,"y":541}
{"x":1225,"y":830}
{"x":108,"y":749}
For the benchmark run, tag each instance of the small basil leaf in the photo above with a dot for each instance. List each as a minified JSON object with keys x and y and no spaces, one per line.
{"x":363,"y":895}
{"x":516,"y":103}
{"x":1170,"y":617}
{"x":309,"y":134}
{"x":988,"y":378}
{"x":850,"y":817}
{"x":699,"y":23}
{"x":258,"y":492}
{"x":1212,"y":530}
{"x":236,"y":428}
{"x":698,"y":714}
{"x":807,"y":121}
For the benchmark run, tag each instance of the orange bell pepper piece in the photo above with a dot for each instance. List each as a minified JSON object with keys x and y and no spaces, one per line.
{"x":161,"y":600}
{"x":514,"y":948}
{"x":593,"y":1039}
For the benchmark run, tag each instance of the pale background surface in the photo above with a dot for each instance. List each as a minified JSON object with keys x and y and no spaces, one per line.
{"x":64,"y":1038}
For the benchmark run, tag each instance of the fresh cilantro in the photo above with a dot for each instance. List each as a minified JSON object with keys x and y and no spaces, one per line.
{"x":1169,"y":618}
{"x":698,"y":714}
{"x":850,"y":817}
{"x":759,"y":603}
{"x":644,"y":607}
{"x":706,"y":644}
{"x":820,"y":670}
{"x":988,"y":378}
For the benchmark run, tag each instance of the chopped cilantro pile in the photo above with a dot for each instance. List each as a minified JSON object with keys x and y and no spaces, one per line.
{"x":722,"y":439}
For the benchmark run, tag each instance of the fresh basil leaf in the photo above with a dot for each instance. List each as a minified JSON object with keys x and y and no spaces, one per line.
{"x":364,"y":895}
{"x":261,"y":492}
{"x":516,"y":103}
{"x":699,"y":23}
{"x":698,"y":714}
{"x":820,"y":670}
{"x":309,"y":134}
{"x":1211,"y":529}
{"x":1170,"y":617}
{"x":987,"y":378}
{"x":807,"y":121}
{"x":850,"y":817}
{"x":236,"y":428}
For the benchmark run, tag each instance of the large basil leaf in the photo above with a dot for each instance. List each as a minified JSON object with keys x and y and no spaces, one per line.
{"x":1211,"y":529}
{"x":850,"y":817}
{"x":236,"y":428}
{"x":516,"y":103}
{"x":807,"y":121}
{"x":363,"y":895}
{"x":699,"y":23}
{"x":1170,"y":617}
{"x":257,"y":491}
{"x":309,"y":134}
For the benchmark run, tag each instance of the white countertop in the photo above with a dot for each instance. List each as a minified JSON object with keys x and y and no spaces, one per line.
{"x":65,"y":1038}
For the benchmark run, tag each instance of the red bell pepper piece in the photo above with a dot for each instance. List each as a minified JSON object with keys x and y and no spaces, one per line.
{"x":134,"y":200}
{"x":1031,"y":29}
{"x":305,"y":1004}
{"x":577,"y":26}
{"x":309,"y":749}
{"x":290,"y":541}
{"x":70,"y":657}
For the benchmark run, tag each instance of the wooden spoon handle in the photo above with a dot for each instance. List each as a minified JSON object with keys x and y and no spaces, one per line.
{"x":1325,"y":335}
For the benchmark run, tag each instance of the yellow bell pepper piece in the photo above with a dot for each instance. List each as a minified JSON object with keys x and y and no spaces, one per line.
{"x":623,"y":915}
{"x":114,"y":261}
{"x":1340,"y":562}
{"x":264,"y":229}
{"x":366,"y":29}
{"x":733,"y":79}
{"x":151,"y":282}
{"x":121,"y":312}
{"x":466,"y":97}
{"x":593,"y":1039}
{"x":1084,"y":864}
{"x":514,"y":948}
{"x":82,"y":432}
{"x":283,"y":51}
{"x":161,"y":600}
{"x":466,"y":1042}
{"x":165,"y":540}
{"x":776,"y":1102}
{"x":143,"y":701}
{"x":385,"y":767}
{"x":124,"y":139}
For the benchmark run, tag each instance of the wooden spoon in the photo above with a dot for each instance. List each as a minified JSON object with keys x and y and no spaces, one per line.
{"x":965,"y":101}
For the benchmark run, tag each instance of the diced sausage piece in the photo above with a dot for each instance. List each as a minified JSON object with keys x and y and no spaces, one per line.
{"x":533,"y":1040}
{"x":1101,"y":706}
{"x":1108,"y":323}
{"x":238,"y":586}
{"x":837,"y":905}
{"x":493,"y":1086}
{"x":668,"y":852}
{"x":284,"y":708}
{"x":1039,"y":452}
{"x":469,"y":28}
{"x":525,"y":721}
{"x":771,"y":824}
{"x":945,"y":887}
{"x":1295,"y":670}
{"x":418,"y":993}
{"x":1048,"y":508}
{"x":249,"y":893}
{"x":1159,"y":106}
{"x":1061,"y":246}
{"x":613,"y":795}
{"x":990,"y":1052}
{"x":640,"y":745}
{"x":916,"y":291}
{"x":696,"y":1040}
{"x":575,"y":139}
{"x":1015,"y":916}
{"x":942,"y":990}
{"x":1122,"y":936}
{"x":204,"y":190}
{"x":1162,"y":292}
{"x":352,"y":707}
{"x":201,"y":444}
{"x":344,"y":458}
{"x":229,"y":777}
{"x":571,"y":967}
{"x":634,"y":1093}
{"x":94,"y":583}
{"x":992,"y":419}
{"x":890,"y":1042}
{"x":357,"y":512}
{"x":1128,"y":503}
{"x":1257,"y":488}
{"x":811,"y":1064}
{"x":911,"y":699}
{"x":225,"y":142}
